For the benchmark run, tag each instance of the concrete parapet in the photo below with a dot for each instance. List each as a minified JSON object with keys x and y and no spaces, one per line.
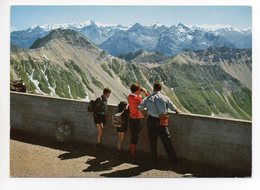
{"x":218,"y":142}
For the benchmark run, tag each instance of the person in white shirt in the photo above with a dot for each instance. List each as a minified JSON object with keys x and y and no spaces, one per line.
{"x":157,"y":106}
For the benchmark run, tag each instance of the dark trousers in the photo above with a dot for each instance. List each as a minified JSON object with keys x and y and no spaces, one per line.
{"x":155,"y":131}
{"x":135,"y":129}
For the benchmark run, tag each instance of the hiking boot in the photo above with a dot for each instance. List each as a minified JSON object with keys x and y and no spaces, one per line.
{"x":133,"y":160}
{"x":119,"y":153}
{"x":153,"y":164}
{"x":98,"y":145}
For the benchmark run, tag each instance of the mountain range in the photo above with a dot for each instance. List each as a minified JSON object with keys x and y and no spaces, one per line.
{"x":64,"y":63}
{"x":118,"y":39}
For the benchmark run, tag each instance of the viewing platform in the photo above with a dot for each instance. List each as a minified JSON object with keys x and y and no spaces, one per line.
{"x":206,"y":146}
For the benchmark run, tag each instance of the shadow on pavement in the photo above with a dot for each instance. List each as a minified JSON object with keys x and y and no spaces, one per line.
{"x":101,"y":164}
{"x":131,"y":172}
{"x":105,"y":158}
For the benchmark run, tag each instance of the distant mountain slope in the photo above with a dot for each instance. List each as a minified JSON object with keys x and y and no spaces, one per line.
{"x":240,"y":38}
{"x":142,"y":56}
{"x":169,"y":41}
{"x":133,"y":39}
{"x":25,"y":38}
{"x":65,"y":63}
{"x":177,"y":38}
{"x":236,"y":62}
{"x":99,"y":34}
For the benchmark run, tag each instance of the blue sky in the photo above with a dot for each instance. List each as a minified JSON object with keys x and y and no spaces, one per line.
{"x":23,"y":17}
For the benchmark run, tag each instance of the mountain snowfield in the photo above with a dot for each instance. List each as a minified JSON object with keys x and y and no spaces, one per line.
{"x":213,"y":81}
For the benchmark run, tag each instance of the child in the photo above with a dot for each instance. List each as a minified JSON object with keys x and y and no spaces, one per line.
{"x":122,"y":107}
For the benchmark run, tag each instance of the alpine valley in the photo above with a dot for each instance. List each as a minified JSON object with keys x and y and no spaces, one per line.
{"x":202,"y":71}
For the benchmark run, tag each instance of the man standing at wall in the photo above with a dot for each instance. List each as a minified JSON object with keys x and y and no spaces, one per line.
{"x":157,"y":124}
{"x":100,"y":114}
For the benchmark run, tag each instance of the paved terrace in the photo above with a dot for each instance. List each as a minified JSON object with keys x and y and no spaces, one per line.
{"x":41,"y":156}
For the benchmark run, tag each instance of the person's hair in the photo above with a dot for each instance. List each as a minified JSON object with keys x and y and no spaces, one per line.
{"x":157,"y":86}
{"x":135,"y":87}
{"x":106,"y":91}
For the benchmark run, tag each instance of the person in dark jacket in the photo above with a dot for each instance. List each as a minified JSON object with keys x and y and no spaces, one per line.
{"x":100,"y":114}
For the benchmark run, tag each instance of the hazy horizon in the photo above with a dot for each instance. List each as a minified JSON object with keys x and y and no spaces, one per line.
{"x":236,"y":16}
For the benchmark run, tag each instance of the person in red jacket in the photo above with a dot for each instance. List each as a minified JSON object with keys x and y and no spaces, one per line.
{"x":135,"y":116}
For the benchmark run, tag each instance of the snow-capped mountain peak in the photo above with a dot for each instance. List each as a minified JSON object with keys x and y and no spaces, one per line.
{"x":100,"y":24}
{"x":121,"y":27}
{"x":182,"y":28}
{"x":142,"y":36}
{"x":52,"y":26}
{"x":74,"y":25}
{"x":179,"y":29}
{"x":215,"y":27}
{"x":155,"y":25}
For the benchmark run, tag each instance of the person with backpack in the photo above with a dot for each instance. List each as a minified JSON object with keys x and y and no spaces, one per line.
{"x":157,"y":124}
{"x":121,"y":125}
{"x":99,"y":109}
{"x":135,"y":116}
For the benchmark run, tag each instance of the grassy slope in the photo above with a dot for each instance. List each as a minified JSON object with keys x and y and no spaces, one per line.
{"x":202,"y":89}
{"x":57,"y":77}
